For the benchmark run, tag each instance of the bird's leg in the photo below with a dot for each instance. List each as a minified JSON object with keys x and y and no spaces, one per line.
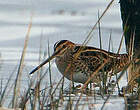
{"x":90,"y":85}
{"x":87,"y":89}
{"x":73,"y":88}
{"x":73,"y":85}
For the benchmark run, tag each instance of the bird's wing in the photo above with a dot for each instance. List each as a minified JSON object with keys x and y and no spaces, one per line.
{"x":92,"y":57}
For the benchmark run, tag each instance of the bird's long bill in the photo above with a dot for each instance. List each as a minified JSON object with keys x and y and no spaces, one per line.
{"x":43,"y":63}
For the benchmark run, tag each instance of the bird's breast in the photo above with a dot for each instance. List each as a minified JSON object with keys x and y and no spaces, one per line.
{"x":64,"y":64}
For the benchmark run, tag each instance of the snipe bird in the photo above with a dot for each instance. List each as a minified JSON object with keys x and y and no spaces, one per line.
{"x":77,"y":62}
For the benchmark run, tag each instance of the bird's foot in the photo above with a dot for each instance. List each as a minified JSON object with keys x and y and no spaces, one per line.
{"x":72,"y":90}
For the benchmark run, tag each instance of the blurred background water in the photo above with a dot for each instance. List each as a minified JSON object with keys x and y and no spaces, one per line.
{"x":53,"y":20}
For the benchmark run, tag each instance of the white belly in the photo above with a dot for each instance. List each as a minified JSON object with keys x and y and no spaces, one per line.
{"x":78,"y":77}
{"x":82,"y":78}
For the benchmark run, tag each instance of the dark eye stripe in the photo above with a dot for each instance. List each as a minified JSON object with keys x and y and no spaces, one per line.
{"x":59,"y":43}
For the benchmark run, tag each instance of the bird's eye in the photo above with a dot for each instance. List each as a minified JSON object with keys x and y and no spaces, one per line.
{"x":63,"y":46}
{"x":60,"y":43}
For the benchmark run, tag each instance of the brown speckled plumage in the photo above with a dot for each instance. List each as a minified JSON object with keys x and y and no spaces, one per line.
{"x":78,"y":62}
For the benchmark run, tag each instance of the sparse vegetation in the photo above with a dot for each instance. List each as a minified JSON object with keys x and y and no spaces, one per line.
{"x":46,"y":94}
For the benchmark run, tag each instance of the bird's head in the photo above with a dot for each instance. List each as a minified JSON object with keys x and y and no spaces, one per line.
{"x":60,"y":48}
